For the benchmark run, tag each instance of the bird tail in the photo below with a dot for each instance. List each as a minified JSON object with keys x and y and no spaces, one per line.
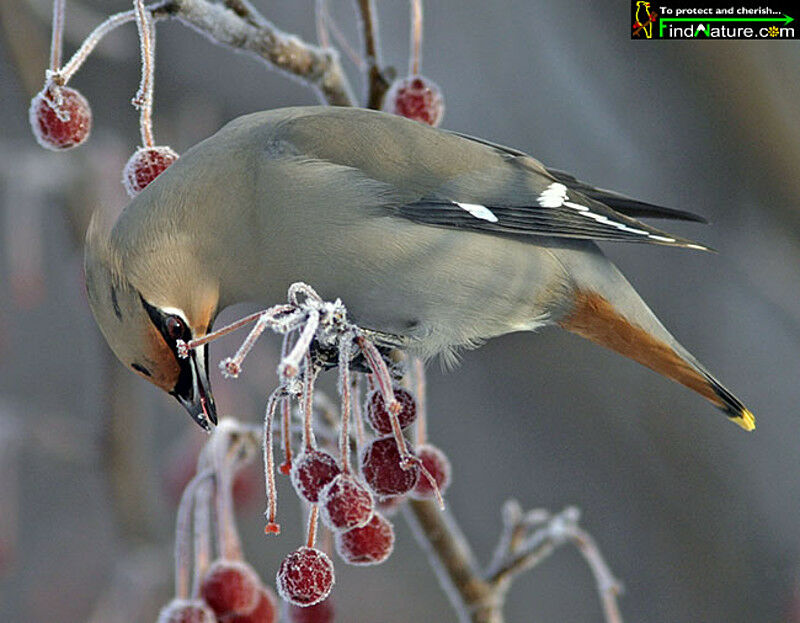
{"x":608,"y":311}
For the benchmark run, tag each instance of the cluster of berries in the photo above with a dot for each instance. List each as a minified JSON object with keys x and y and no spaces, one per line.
{"x":346,"y":502}
{"x":230,"y":592}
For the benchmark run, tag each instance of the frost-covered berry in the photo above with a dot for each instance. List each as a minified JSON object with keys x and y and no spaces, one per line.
{"x":345,"y":503}
{"x":145,"y":165}
{"x":438,"y":466}
{"x":68,"y":125}
{"x":380,"y":464}
{"x":378,"y":414}
{"x":305,"y":577}
{"x":311,"y":471}
{"x":266,"y":610}
{"x":230,"y":587}
{"x":318,"y":613}
{"x":186,"y":611}
{"x":369,"y":545}
{"x":416,"y":97}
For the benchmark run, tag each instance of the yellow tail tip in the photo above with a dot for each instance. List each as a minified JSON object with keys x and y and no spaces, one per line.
{"x":747,"y":420}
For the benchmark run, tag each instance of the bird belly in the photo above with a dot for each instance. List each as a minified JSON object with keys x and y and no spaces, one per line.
{"x":440,"y":289}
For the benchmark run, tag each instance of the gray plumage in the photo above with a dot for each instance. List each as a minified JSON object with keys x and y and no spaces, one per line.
{"x":381,"y":212}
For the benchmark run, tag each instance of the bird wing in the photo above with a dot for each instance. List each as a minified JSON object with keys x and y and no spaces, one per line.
{"x":618,"y":201}
{"x":520,"y":197}
{"x":443,"y":179}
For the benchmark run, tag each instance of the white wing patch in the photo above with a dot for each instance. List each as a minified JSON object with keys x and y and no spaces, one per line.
{"x":555,"y":196}
{"x":478,"y":211}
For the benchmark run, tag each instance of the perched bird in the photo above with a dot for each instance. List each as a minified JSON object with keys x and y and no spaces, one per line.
{"x":436,"y":239}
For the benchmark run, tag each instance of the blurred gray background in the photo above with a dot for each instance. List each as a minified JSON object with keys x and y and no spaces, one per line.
{"x":698,"y":519}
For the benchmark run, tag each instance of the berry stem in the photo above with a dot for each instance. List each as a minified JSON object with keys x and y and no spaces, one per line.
{"x":419,"y":390}
{"x":269,"y":466}
{"x":233,"y":366}
{"x":90,"y":43}
{"x":309,"y":442}
{"x":229,"y":328}
{"x":56,"y":43}
{"x":286,"y":414}
{"x":380,"y":373}
{"x":290,"y":365}
{"x":325,"y":25}
{"x":223,"y":451}
{"x":143,"y":99}
{"x":415,"y":57}
{"x":357,"y":414}
{"x":183,"y":536}
{"x":344,"y":390}
{"x":202,"y":534}
{"x":312,"y":525}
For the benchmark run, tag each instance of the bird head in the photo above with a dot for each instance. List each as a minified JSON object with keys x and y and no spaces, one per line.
{"x":142,"y":319}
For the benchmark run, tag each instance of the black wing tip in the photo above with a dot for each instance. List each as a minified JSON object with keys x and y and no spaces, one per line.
{"x":732,"y":406}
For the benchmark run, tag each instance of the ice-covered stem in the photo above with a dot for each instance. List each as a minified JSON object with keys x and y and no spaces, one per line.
{"x":312,"y":526}
{"x":269,"y":465}
{"x":202,"y":534}
{"x":380,"y":373}
{"x":320,"y":69}
{"x":325,"y":25}
{"x":286,"y":416}
{"x":144,"y":96}
{"x":223,"y":452}
{"x":57,"y":41}
{"x":415,"y":55}
{"x":344,"y":390}
{"x":420,"y":388}
{"x":183,"y":534}
{"x":156,"y":10}
{"x":361,"y":437}
{"x":377,"y":82}
{"x":290,"y":365}
{"x":529,"y":538}
{"x":526,"y":540}
{"x":608,"y":586}
{"x":309,"y":376}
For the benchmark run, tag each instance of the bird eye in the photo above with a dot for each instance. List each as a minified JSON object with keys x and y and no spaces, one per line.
{"x":175,"y":327}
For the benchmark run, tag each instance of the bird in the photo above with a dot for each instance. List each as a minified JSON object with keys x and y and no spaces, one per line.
{"x":436,"y":239}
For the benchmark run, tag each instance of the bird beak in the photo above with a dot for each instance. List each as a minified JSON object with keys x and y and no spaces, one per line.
{"x":196,"y":397}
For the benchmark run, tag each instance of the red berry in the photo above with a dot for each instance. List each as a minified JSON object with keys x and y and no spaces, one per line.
{"x":370,"y":545}
{"x":145,"y":165}
{"x":312,"y":470}
{"x":380,"y":464}
{"x":186,"y":611}
{"x":66,"y":127}
{"x":416,"y":97}
{"x":345,"y":503}
{"x":305,"y":577}
{"x":318,"y":613}
{"x":378,"y":414}
{"x":438,"y":465}
{"x":266,"y":610}
{"x":230,"y":587}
